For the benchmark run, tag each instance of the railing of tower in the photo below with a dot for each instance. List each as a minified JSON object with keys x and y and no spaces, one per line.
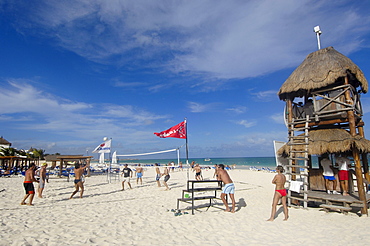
{"x":328,"y":104}
{"x":331,"y":103}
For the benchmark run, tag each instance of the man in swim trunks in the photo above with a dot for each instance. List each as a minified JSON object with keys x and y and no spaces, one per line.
{"x":127,"y":174}
{"x":328,"y":174}
{"x":42,"y":179}
{"x":343,"y":163}
{"x":158,"y":174}
{"x":280,"y":193}
{"x":198,"y":172}
{"x":229,"y":188}
{"x":29,"y":178}
{"x":139,"y":174}
{"x":166,"y":174}
{"x":79,"y":170}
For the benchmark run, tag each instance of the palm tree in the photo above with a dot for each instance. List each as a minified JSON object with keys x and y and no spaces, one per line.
{"x":8,"y":151}
{"x":37,"y":153}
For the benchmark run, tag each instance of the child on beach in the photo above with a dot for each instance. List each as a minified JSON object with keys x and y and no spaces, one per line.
{"x":280,"y":193}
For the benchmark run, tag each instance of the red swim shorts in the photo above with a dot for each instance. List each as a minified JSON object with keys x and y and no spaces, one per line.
{"x":343,"y":175}
{"x":28,"y":186}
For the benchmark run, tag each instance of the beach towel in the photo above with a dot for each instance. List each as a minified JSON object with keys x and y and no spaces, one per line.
{"x":295,"y":186}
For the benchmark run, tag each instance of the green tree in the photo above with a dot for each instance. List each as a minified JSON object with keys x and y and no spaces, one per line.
{"x":37,"y":153}
{"x":8,"y":151}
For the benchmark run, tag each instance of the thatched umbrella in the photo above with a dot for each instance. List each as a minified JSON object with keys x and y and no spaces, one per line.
{"x":330,"y":141}
{"x":320,"y":69}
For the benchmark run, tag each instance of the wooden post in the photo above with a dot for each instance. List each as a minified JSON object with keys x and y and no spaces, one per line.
{"x":60,"y":167}
{"x":88,"y":167}
{"x":290,"y":110}
{"x":290,"y":120}
{"x":360,"y":181}
{"x":365,"y":163}
{"x":356,"y":155}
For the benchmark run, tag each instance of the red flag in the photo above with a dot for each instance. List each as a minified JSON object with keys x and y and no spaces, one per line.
{"x":178,"y":131}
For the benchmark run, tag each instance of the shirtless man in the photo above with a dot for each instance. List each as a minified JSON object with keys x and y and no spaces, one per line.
{"x":29,"y":178}
{"x":42,"y":179}
{"x":166,"y":174}
{"x":158,"y":174}
{"x":139,"y":174}
{"x":78,"y":179}
{"x":280,"y":193}
{"x":198,"y":172}
{"x":229,"y":187}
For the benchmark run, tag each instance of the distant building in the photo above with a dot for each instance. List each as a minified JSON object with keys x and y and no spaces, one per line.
{"x":4,"y":143}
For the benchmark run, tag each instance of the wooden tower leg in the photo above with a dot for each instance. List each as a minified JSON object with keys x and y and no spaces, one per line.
{"x":360,"y":180}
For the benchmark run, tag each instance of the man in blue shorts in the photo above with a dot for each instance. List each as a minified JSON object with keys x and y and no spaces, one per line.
{"x":158,"y":174}
{"x":139,"y":174}
{"x":328,"y":174}
{"x":229,"y":188}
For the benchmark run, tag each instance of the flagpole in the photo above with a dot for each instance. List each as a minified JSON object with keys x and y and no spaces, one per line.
{"x":110,"y":162}
{"x":187,"y":149}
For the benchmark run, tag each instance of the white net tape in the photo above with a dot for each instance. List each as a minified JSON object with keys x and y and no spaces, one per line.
{"x":151,"y":153}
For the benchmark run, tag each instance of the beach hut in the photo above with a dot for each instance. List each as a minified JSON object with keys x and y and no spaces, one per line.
{"x":4,"y":143}
{"x":65,"y":160}
{"x":323,"y":115}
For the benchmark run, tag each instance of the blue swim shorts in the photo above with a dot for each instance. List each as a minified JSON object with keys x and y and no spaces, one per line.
{"x":329,"y":177}
{"x":139,"y":175}
{"x":157,"y":177}
{"x":229,"y":188}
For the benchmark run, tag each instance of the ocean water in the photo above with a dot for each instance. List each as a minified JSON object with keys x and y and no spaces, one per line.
{"x":239,"y":161}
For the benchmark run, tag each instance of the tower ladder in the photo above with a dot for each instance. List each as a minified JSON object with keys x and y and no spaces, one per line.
{"x":298,"y":159}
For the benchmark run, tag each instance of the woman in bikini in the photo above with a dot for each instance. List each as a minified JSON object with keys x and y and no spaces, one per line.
{"x":280,"y":193}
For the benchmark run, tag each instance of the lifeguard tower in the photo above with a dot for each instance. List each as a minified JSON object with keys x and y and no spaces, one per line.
{"x":323,"y":115}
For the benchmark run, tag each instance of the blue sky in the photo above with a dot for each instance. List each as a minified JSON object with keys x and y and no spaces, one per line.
{"x":73,"y":72}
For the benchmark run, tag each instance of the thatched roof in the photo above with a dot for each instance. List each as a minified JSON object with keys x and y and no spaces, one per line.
{"x":66,"y":157}
{"x":3,"y":141}
{"x":330,"y":141}
{"x":320,"y":69}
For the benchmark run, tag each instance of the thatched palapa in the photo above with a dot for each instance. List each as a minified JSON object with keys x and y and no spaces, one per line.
{"x":320,"y":69}
{"x":330,"y":141}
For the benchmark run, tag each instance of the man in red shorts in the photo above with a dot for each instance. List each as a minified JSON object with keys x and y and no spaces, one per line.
{"x":28,"y":184}
{"x":343,"y":164}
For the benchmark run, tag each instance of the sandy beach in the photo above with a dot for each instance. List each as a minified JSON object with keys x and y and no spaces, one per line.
{"x":142,"y":216}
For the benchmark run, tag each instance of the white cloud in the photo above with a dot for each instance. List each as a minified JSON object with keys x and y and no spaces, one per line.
{"x":33,"y":109}
{"x":129,"y":84}
{"x":251,"y":144}
{"x":365,"y":102}
{"x":132,"y":113}
{"x":157,"y":88}
{"x":278,"y":118}
{"x":215,"y":39}
{"x":245,"y":123}
{"x":238,"y":109}
{"x":200,"y":108}
{"x":266,"y":96}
